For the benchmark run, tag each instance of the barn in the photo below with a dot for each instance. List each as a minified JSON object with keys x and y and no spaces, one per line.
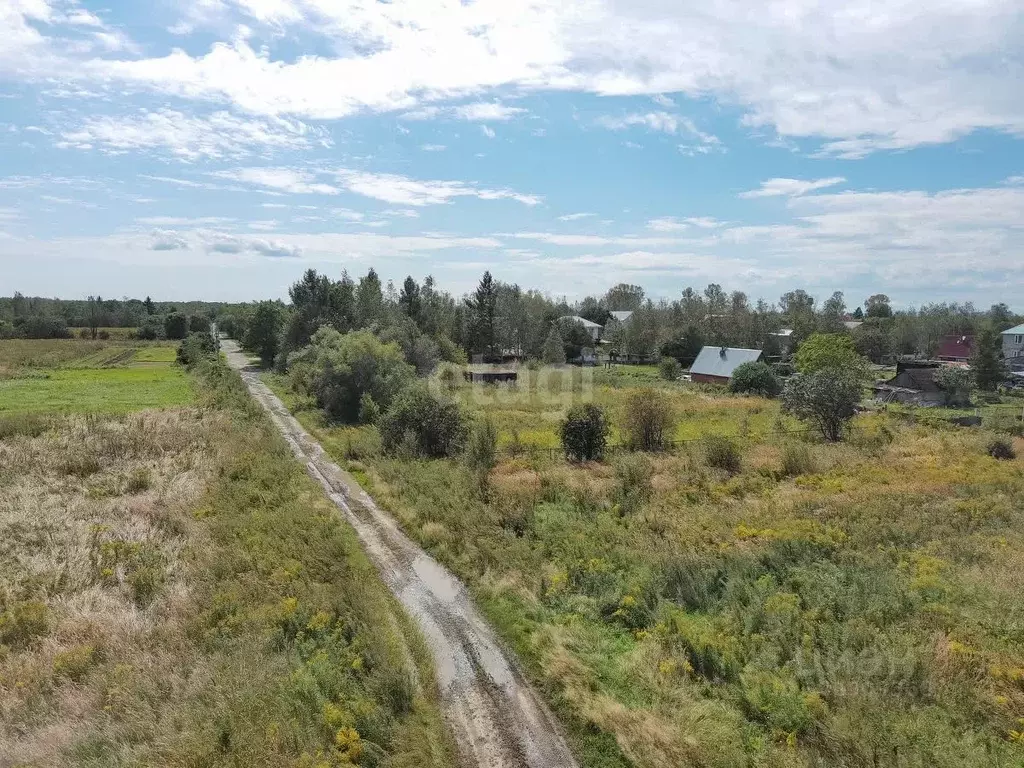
{"x":715,"y":365}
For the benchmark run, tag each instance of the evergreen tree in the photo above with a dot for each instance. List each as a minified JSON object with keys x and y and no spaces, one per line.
{"x":554,"y":348}
{"x":410,"y":301}
{"x":148,"y":303}
{"x":369,"y":299}
{"x":987,"y":363}
{"x":482,"y":313}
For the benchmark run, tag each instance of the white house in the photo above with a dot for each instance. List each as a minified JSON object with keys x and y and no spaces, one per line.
{"x":1013,"y":343}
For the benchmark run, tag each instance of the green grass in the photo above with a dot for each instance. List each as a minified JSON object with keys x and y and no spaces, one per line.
{"x":159,"y":353}
{"x":845,"y":605}
{"x":111,"y":390}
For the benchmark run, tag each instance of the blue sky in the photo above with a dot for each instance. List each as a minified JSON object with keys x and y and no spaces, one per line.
{"x":216,"y":148}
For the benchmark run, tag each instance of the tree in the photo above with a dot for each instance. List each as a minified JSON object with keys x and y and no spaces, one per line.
{"x":482,"y":308}
{"x":686,"y":347}
{"x":957,"y":384}
{"x":878,"y":306}
{"x":199,"y":323}
{"x":176,"y":326}
{"x":669,"y":369}
{"x":1000,"y":316}
{"x":575,"y":338}
{"x":833,"y":312}
{"x":584,"y":432}
{"x":95,"y":304}
{"x":423,"y":423}
{"x":858,"y":314}
{"x":263,"y":335}
{"x":648,"y":420}
{"x":871,"y":341}
{"x":369,"y":299}
{"x":987,"y":363}
{"x":624,"y":298}
{"x":828,"y":350}
{"x":338,"y":369}
{"x":827,"y":398}
{"x":554,"y":348}
{"x":755,"y":379}
{"x":409,"y":300}
{"x":148,"y":303}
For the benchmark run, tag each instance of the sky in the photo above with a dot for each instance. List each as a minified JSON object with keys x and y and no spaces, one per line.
{"x":215,"y":149}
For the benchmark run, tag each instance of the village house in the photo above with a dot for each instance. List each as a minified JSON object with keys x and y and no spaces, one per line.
{"x":955,"y":349}
{"x":715,"y":365}
{"x":1013,"y":345}
{"x":913,"y":384}
{"x":596,"y":331}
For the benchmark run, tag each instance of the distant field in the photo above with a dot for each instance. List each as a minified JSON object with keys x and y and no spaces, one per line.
{"x":76,"y":376}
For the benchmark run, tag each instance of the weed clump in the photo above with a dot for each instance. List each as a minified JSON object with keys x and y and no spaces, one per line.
{"x":797,"y":460}
{"x":1001,"y":448}
{"x":584,"y":433}
{"x":722,"y":453}
{"x":648,"y":420}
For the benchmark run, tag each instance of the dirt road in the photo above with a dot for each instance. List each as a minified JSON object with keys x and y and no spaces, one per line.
{"x":496,"y":717}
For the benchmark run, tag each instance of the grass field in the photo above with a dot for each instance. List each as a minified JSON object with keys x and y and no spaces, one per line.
{"x":74,"y":376}
{"x":176,"y":591}
{"x":857,"y":604}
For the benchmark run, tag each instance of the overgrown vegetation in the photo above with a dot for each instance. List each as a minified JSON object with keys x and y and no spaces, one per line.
{"x":175,"y":590}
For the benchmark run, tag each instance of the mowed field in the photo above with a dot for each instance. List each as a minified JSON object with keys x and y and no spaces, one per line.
{"x":854,"y":604}
{"x":176,"y":591}
{"x":72,"y":376}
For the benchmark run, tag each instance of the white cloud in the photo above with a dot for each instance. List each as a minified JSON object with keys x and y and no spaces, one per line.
{"x":296,"y":182}
{"x":665,"y":122}
{"x":487,"y":112}
{"x":433,"y":147}
{"x":348,"y":214}
{"x":401,"y":190}
{"x":190,"y":137}
{"x":791,"y":187}
{"x":488,"y":131}
{"x":575,"y":216}
{"x":180,"y":221}
{"x":667,"y":224}
{"x":860,"y":77}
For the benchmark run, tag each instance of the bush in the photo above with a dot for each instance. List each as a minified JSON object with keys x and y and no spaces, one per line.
{"x":369,"y":411}
{"x":195,"y":348}
{"x":755,"y":379}
{"x":669,"y":369}
{"x":722,"y":453}
{"x":338,"y":369}
{"x":176,"y":326}
{"x":827,"y":398}
{"x":151,"y":329}
{"x":1002,"y":449}
{"x":23,"y":622}
{"x":482,"y":452}
{"x":648,"y":420}
{"x":823,"y":351}
{"x":584,"y":432}
{"x":634,"y":472}
{"x":797,"y":460}
{"x":423,"y":424}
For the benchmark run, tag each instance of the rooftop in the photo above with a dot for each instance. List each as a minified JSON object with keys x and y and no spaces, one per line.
{"x":582,"y":320}
{"x":722,"y":361}
{"x":1017,"y":330}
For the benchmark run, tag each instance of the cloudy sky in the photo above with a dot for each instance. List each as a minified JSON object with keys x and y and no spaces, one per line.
{"x":216,"y":148}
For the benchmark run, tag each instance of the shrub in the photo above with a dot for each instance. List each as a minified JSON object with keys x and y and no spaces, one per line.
{"x":482,"y":451}
{"x":669,"y":369}
{"x":424,"y":424}
{"x":369,"y":411}
{"x":23,"y":622}
{"x":1001,"y":448}
{"x":957,"y":383}
{"x":75,"y":662}
{"x":176,"y":326}
{"x":338,"y":369}
{"x":827,"y":399}
{"x":648,"y":420}
{"x":634,"y":473}
{"x":138,"y":481}
{"x":151,"y":329}
{"x":722,"y":453}
{"x":584,"y":432}
{"x":263,"y":334}
{"x":196,"y":348}
{"x":797,"y":460}
{"x":554,"y":348}
{"x":755,"y":379}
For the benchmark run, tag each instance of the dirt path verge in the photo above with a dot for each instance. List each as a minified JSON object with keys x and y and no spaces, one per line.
{"x":497,"y":718}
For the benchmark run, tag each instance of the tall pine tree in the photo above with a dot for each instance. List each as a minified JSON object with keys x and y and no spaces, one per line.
{"x":482,"y":308}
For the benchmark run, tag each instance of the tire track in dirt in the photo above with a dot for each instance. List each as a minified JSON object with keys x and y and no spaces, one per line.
{"x":498,"y":720}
